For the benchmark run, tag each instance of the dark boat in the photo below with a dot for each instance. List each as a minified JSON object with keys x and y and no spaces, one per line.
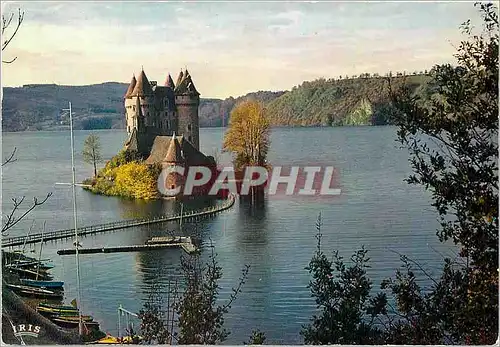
{"x":56,"y":306}
{"x":25,"y":273}
{"x":34,"y":292}
{"x":65,"y":315}
{"x":35,"y":264}
{"x":61,"y":310}
{"x":71,"y":324}
{"x":43,"y":284}
{"x":55,"y":312}
{"x":75,"y":318}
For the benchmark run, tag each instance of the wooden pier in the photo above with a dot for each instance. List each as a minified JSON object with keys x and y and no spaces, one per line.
{"x":99,"y":228}
{"x":188,"y":247}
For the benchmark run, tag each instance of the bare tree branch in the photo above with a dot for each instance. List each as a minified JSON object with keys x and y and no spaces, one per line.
{"x":11,"y":158}
{"x":12,"y":219}
{"x":6,"y":22}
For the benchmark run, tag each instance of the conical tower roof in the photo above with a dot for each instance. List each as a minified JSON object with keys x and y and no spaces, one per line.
{"x":179,"y":79}
{"x":186,"y":86}
{"x":142,"y":87}
{"x":174,"y":153}
{"x":170,"y":82}
{"x":131,"y":87}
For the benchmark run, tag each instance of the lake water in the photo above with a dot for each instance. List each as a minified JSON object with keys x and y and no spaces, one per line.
{"x":377,"y":209}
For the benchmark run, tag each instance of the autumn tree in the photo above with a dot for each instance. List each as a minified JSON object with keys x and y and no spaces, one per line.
{"x":92,"y":151}
{"x":248,"y":136}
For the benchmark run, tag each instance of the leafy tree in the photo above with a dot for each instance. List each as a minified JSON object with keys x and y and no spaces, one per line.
{"x":257,"y":338}
{"x":201,"y":320}
{"x":136,"y":180}
{"x":342,"y":295}
{"x":157,"y":320}
{"x":92,"y":151}
{"x":248,"y":134}
{"x":451,"y":130}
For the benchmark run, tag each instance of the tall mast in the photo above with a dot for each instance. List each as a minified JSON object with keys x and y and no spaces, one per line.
{"x":80,"y":330}
{"x":40,"y":254}
{"x":180,"y":221}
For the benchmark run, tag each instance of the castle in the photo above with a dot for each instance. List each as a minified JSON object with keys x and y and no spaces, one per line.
{"x":162,"y":123}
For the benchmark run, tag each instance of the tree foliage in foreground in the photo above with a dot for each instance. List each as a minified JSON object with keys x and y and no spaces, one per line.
{"x":451,"y":130}
{"x":342,"y":295}
{"x":199,"y":316}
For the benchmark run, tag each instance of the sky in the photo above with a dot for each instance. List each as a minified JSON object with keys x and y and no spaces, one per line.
{"x":230,"y":49}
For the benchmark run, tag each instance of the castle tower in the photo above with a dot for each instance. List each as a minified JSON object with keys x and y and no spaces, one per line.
{"x":173,"y":158}
{"x":187,"y":100}
{"x":144,"y":93}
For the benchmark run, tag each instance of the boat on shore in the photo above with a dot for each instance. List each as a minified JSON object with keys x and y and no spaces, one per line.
{"x":30,"y":274}
{"x":112,"y":340}
{"x":53,"y":312}
{"x":34,"y":264}
{"x":74,"y":316}
{"x":57,"y":306}
{"x":72,"y":324}
{"x":34,"y":292}
{"x":59,"y":285}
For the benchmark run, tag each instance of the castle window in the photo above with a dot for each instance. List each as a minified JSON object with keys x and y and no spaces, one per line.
{"x":172,"y":186}
{"x":189,"y":138}
{"x":189,"y":127}
{"x":133,"y":108}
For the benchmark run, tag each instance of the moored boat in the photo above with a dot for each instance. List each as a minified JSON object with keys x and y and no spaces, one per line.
{"x":57,"y":306}
{"x":71,"y":324}
{"x":34,"y":292}
{"x":43,"y":284}
{"x":56,"y":312}
{"x":26,"y":273}
{"x":112,"y":340}
{"x":35,"y":264}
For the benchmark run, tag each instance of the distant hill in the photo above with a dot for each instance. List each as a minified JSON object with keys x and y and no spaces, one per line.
{"x":100,"y":106}
{"x":354,"y":101}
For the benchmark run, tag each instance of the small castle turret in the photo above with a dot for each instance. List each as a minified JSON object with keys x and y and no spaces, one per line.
{"x":173,"y":158}
{"x":187,"y":100}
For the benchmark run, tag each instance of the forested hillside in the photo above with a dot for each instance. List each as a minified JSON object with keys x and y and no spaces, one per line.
{"x":354,"y":101}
